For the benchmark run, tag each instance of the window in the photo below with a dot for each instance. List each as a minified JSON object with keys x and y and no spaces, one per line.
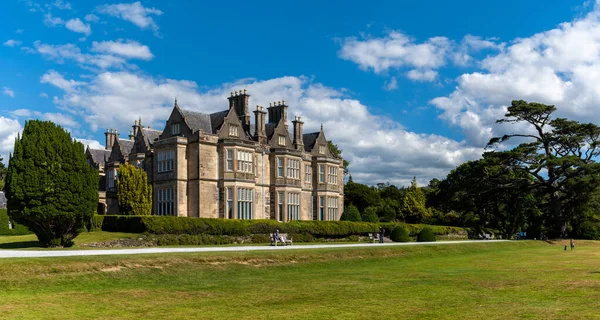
{"x":175,"y":129}
{"x":166,"y":205}
{"x":280,"y":204}
{"x":111,"y":179}
{"x":229,"y":196}
{"x":321,"y":208}
{"x":321,"y":173}
{"x":244,"y":161}
{"x":293,"y":169}
{"x":321,"y":149}
{"x":282,"y":140}
{"x":233,"y":130}
{"x":332,"y":176}
{"x":332,"y":208}
{"x":307,"y":174}
{"x":293,"y":206}
{"x":244,"y":203}
{"x":166,"y":161}
{"x":229,"y":159}
{"x":280,"y":167}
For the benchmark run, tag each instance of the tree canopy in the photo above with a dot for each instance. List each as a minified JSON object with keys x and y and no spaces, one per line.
{"x":50,"y":188}
{"x":134,"y":194}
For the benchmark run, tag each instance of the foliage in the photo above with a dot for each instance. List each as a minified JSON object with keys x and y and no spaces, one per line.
{"x":351,"y":214}
{"x":370,"y":215}
{"x":49,"y":186}
{"x":134,"y":193}
{"x":400,"y":234}
{"x":426,"y":235}
{"x":413,"y":204}
{"x":360,"y":196}
{"x":559,"y":156}
{"x":3,"y":172}
{"x":17,"y":228}
{"x":337,"y":152}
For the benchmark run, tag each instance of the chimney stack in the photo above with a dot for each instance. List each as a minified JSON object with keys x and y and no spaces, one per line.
{"x":298,"y":143}
{"x":136,"y":127}
{"x":277,"y":112}
{"x":110,"y":135}
{"x":239,"y":101}
{"x":260,"y":134}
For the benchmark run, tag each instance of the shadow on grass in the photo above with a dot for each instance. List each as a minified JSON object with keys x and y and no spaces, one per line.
{"x":20,"y":245}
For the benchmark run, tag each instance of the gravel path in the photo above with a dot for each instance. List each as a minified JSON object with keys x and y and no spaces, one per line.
{"x":69,"y":253}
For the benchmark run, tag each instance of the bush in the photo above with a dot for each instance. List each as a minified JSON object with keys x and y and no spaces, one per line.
{"x":400,"y":234}
{"x":370,"y":215}
{"x":17,"y":228}
{"x":351,"y":214}
{"x":426,"y":235}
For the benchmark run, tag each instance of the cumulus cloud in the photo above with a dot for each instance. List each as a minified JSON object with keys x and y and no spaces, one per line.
{"x":90,"y":143}
{"x":560,"y":66}
{"x":391,"y":85}
{"x":51,"y":21}
{"x":9,"y":129}
{"x":78,"y":26}
{"x":62,"y":119}
{"x":56,"y":79}
{"x":134,"y":13}
{"x":62,"y":5}
{"x":128,"y":49}
{"x":8,"y":92}
{"x":379,"y":148}
{"x":11,"y":43}
{"x":69,"y":51}
{"x":422,"y":75}
{"x":91,"y":18}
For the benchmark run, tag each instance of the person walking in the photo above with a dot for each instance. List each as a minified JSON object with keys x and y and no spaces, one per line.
{"x":572,"y":244}
{"x":381,"y":235}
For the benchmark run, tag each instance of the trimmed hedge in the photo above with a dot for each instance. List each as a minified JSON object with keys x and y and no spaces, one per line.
{"x":302,"y":231}
{"x":400,"y":234}
{"x":17,"y":228}
{"x":426,"y":235}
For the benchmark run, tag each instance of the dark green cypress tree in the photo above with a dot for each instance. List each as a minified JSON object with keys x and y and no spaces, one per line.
{"x":3,"y":171}
{"x":49,"y":187}
{"x":134,"y":194}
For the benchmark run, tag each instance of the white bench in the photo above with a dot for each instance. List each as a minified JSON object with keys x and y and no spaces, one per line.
{"x":374,"y":237}
{"x":283,"y":238}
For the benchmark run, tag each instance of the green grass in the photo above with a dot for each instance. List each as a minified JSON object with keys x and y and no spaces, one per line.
{"x":30,"y":241}
{"x":524,"y":279}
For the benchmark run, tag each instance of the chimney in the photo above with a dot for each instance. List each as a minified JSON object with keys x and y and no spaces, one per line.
{"x":298,"y":143}
{"x":239,"y":101}
{"x":136,"y":127}
{"x":278,"y":111}
{"x":110,"y":135}
{"x":131,"y":136}
{"x":260,"y":134}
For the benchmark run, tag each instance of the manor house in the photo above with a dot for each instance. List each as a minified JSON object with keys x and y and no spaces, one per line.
{"x":221,"y":165}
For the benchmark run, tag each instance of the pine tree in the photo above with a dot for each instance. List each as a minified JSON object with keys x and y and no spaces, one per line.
{"x":50,"y":188}
{"x":413,"y":204}
{"x":134,"y":194}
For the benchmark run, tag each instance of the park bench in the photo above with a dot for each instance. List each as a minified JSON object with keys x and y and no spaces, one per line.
{"x":283,"y":238}
{"x":374,"y":237}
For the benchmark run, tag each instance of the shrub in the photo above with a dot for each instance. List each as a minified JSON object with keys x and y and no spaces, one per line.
{"x":426,"y":235}
{"x":134,"y":194}
{"x":351,"y":214}
{"x":400,"y":234}
{"x":17,"y":229}
{"x":50,"y":187}
{"x":370,"y":215}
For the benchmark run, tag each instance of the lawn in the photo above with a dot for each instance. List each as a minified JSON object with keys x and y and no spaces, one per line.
{"x":30,"y":241}
{"x":527,"y":279}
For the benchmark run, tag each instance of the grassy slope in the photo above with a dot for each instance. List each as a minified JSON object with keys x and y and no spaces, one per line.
{"x":491,"y":280}
{"x":30,"y":241}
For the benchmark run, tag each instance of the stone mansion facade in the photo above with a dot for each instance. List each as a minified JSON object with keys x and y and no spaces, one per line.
{"x":221,"y":165}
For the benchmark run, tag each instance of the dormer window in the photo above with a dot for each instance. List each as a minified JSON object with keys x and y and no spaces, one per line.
{"x":282,"y":140}
{"x":322,"y":149}
{"x":175,"y":129}
{"x":233,"y":131}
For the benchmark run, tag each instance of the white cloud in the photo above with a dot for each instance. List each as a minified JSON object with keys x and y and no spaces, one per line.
{"x":78,"y":26}
{"x":69,"y":51}
{"x":51,"y":21}
{"x":92,"y":144}
{"x":9,"y":129}
{"x":58,"y":118}
{"x":56,"y":79}
{"x":382,"y":151}
{"x":62,"y":5}
{"x":91,"y":18}
{"x":130,"y":49}
{"x":8,"y":92}
{"x":134,"y":13}
{"x":395,"y":50}
{"x":560,"y":66}
{"x":12,"y":43}
{"x":43,"y":95}
{"x":422,"y":75}
{"x":391,"y":85}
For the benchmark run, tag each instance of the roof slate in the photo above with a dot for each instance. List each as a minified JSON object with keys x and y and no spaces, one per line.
{"x":309,"y":140}
{"x":197,"y":120}
{"x":151,"y":135}
{"x":217,"y":119}
{"x":100,"y":156}
{"x":126,"y":146}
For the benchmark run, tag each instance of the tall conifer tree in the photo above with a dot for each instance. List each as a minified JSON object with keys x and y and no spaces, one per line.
{"x":50,"y":188}
{"x":134,"y":194}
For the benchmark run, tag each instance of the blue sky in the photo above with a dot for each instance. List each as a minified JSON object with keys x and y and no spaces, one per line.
{"x":405,"y":88}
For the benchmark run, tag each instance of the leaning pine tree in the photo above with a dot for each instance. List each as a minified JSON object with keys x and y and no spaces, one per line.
{"x":134,"y":194}
{"x":50,"y":188}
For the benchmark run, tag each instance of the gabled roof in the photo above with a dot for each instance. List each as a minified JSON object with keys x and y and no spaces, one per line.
{"x":270,"y":129}
{"x":309,"y":140}
{"x":217,"y":119}
{"x":197,"y":120}
{"x":99,"y":156}
{"x":151,"y":135}
{"x":126,"y":146}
